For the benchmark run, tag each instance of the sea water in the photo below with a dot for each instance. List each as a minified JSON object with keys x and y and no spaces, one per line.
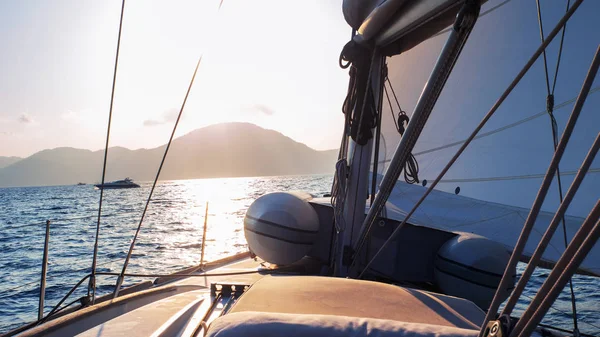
{"x":170,"y":239}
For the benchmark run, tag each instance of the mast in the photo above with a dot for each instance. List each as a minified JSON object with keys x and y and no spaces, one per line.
{"x":463,"y":24}
{"x":359,"y":151}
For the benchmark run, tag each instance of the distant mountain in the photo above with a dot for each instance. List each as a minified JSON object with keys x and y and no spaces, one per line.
{"x":222,"y":150}
{"x":5,"y":161}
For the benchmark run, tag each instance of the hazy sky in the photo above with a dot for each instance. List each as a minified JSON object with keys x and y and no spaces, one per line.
{"x":273,"y":63}
{"x":270,"y":62}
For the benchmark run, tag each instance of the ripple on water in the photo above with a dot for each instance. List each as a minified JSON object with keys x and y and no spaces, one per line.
{"x":170,"y":239}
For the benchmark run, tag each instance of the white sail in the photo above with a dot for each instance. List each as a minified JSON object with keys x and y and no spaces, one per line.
{"x":486,"y":66}
{"x":500,"y":173}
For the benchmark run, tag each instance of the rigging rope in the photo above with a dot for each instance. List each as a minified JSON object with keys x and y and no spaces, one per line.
{"x":411,"y":167}
{"x":554,"y":126}
{"x":162,"y":162}
{"x":51,"y":275}
{"x":92,"y":282}
{"x":339,"y":186}
{"x":359,"y":101}
{"x":338,"y":195}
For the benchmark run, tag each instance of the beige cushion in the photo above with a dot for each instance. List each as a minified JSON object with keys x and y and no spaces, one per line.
{"x":354,"y":298}
{"x":262,"y":324}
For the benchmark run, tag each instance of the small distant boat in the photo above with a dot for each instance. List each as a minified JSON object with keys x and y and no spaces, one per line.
{"x":81,"y":184}
{"x":125,"y":183}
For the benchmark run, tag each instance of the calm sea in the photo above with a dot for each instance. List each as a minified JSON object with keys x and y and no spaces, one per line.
{"x":169,"y":241}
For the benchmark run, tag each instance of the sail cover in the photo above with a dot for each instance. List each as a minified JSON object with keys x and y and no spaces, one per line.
{"x":356,"y":11}
{"x":498,"y":222}
{"x":399,"y":25}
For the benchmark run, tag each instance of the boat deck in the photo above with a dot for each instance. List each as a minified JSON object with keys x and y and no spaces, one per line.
{"x":178,"y":307}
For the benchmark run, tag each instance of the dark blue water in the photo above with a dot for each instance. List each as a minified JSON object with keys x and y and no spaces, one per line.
{"x":169,"y":241}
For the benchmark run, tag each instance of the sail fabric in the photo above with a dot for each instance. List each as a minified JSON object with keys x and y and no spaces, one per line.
{"x":497,"y":222}
{"x":502,"y":169}
{"x":499,"y":174}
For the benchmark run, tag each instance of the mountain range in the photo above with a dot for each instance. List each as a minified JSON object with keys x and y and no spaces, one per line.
{"x":6,"y":161}
{"x":221,"y":150}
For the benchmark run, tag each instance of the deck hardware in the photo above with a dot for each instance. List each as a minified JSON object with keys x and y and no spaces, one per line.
{"x":228,"y":289}
{"x":495,"y":329}
{"x":500,"y":327}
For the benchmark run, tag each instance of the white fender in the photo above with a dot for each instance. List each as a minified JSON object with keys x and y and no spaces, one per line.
{"x":471,"y":266}
{"x":281,"y":227}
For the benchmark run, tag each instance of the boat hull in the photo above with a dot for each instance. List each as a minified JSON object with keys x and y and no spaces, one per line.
{"x":116,"y":186}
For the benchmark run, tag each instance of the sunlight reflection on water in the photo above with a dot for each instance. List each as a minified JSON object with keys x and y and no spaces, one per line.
{"x":170,"y":239}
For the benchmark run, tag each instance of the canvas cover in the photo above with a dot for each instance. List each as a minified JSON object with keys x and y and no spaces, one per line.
{"x":316,"y":295}
{"x":398,"y":25}
{"x":498,"y":222}
{"x":263,"y":324}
